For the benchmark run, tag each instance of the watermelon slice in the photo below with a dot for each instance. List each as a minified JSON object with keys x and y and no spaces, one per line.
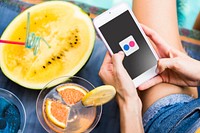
{"x":66,"y":28}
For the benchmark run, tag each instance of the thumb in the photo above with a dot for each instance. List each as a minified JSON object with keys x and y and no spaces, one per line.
{"x":117,"y":60}
{"x":119,"y":70}
{"x":121,"y":75}
{"x":165,"y":63}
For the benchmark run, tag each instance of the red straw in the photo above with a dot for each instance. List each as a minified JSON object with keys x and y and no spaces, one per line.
{"x":12,"y":42}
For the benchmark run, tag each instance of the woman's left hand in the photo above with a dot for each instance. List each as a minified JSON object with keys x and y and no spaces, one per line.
{"x":113,"y":72}
{"x":130,"y":106}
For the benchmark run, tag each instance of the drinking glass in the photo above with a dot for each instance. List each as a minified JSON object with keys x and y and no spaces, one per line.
{"x":12,"y":113}
{"x":80,"y":119}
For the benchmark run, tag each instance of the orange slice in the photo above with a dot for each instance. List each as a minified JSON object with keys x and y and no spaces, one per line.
{"x":71,"y":93}
{"x":57,"y":112}
{"x":99,"y":96}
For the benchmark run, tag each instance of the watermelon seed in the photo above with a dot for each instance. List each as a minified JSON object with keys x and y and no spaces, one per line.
{"x":58,"y":57}
{"x":49,"y":62}
{"x":44,"y":67}
{"x":52,"y":58}
{"x":88,"y":13}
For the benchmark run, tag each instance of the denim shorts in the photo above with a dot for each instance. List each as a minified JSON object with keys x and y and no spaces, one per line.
{"x":173,"y":114}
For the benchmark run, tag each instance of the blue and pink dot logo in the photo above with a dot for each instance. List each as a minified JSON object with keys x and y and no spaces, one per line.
{"x":129,"y":45}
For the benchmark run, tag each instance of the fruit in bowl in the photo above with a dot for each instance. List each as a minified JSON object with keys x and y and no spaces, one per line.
{"x":65,"y":27}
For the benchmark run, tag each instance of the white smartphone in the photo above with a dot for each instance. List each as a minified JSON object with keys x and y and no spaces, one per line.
{"x":120,"y":31}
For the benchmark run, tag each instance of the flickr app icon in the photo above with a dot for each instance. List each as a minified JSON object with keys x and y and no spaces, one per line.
{"x":129,"y":45}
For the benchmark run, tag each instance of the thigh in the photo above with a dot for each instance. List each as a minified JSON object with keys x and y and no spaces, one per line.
{"x":159,"y":91}
{"x":161,"y":16}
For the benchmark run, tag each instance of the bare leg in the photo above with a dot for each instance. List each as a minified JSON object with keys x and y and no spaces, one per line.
{"x":160,"y":15}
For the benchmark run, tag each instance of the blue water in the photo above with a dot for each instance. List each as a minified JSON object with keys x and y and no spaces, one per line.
{"x":187,"y":12}
{"x":9,"y":117}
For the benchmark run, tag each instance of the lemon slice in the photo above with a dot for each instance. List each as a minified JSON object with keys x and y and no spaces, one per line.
{"x":99,"y":96}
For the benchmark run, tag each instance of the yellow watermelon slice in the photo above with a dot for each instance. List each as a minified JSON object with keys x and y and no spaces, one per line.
{"x":67,"y":29}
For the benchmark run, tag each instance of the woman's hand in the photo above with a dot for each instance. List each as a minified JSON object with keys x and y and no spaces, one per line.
{"x":112,"y":72}
{"x":174,"y":66}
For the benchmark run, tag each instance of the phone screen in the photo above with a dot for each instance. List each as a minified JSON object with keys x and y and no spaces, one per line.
{"x":122,"y":34}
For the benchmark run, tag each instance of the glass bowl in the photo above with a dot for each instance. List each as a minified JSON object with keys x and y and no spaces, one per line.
{"x":12,"y":113}
{"x":80,"y":118}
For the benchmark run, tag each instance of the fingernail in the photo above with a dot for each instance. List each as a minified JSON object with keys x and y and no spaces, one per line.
{"x":121,"y":52}
{"x":170,"y":55}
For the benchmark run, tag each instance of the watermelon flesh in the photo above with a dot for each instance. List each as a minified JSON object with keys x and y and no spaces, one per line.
{"x":68,"y":31}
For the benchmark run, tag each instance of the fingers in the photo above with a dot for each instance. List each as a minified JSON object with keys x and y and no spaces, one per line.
{"x":117,"y":60}
{"x":122,"y":78}
{"x":150,"y":83}
{"x":119,"y":70}
{"x":170,"y":63}
{"x":106,"y":67}
{"x":153,"y":35}
{"x":107,"y":58}
{"x":163,"y":64}
{"x":162,"y":46}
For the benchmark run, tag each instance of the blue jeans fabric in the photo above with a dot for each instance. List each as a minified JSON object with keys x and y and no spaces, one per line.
{"x":180,"y":113}
{"x":167,"y":101}
{"x":182,"y":116}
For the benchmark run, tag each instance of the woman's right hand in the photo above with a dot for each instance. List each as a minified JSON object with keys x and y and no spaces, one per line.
{"x":174,"y":66}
